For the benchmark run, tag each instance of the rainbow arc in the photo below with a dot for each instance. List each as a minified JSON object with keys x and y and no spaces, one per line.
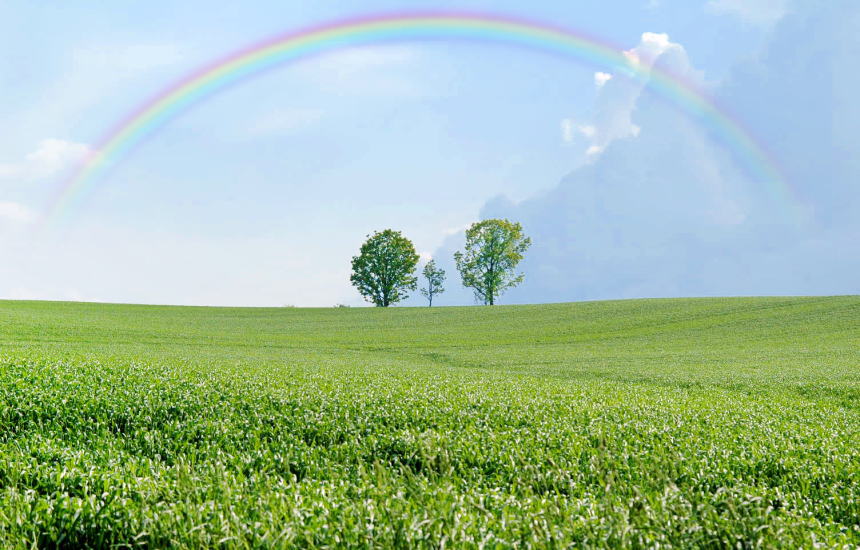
{"x":153,"y":115}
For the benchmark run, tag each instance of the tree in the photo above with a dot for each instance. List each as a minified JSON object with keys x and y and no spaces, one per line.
{"x":493,"y":250}
{"x":383,"y":270}
{"x":435,"y":277}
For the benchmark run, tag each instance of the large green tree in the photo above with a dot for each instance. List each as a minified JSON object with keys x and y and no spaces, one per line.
{"x":435,"y":277}
{"x":493,"y":250}
{"x":383,"y":271}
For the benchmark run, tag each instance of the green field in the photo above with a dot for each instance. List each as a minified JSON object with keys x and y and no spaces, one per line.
{"x":706,"y":422}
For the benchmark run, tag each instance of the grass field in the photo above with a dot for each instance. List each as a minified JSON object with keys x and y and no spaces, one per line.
{"x":708,"y":422}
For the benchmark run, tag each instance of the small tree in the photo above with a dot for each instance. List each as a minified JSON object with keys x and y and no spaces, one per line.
{"x":493,"y":250}
{"x":383,"y":270}
{"x":435,"y":277}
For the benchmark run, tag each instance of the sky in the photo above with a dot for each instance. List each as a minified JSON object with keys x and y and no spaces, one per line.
{"x":260,"y":195}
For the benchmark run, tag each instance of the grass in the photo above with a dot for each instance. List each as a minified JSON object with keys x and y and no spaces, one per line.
{"x":693,"y":423}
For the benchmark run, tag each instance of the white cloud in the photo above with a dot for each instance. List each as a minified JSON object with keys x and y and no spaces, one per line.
{"x":600,"y":79}
{"x":570,"y":130}
{"x":100,"y":79}
{"x":587,"y":130}
{"x":651,"y":46}
{"x":54,"y":155}
{"x":760,"y":12}
{"x":15,"y":213}
{"x":674,"y":213}
{"x":618,"y":96}
{"x":567,"y":130}
{"x":50,"y":158}
{"x":457,"y":229}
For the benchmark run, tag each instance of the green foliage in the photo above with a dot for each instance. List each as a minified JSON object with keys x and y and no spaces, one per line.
{"x":493,"y":250}
{"x":709,"y":423}
{"x":435,"y":277}
{"x":383,"y":272}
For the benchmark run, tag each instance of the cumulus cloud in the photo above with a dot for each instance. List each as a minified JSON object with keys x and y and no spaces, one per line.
{"x":674,"y":213}
{"x":651,"y":46}
{"x":618,"y":97}
{"x":570,"y":131}
{"x":600,"y":79}
{"x":50,"y":158}
{"x":760,"y":12}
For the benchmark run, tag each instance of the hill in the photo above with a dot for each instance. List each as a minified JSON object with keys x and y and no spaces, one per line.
{"x":695,"y":422}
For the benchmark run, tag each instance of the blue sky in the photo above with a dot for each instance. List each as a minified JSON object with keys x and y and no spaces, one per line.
{"x":261,"y":195}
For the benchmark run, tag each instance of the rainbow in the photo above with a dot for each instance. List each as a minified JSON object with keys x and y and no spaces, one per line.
{"x":253,"y":60}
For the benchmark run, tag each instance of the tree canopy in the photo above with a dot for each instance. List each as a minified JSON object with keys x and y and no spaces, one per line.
{"x":435,"y":277}
{"x":383,"y":271}
{"x":493,"y":249}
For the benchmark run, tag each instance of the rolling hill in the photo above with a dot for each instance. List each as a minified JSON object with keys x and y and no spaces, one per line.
{"x":679,"y":422}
